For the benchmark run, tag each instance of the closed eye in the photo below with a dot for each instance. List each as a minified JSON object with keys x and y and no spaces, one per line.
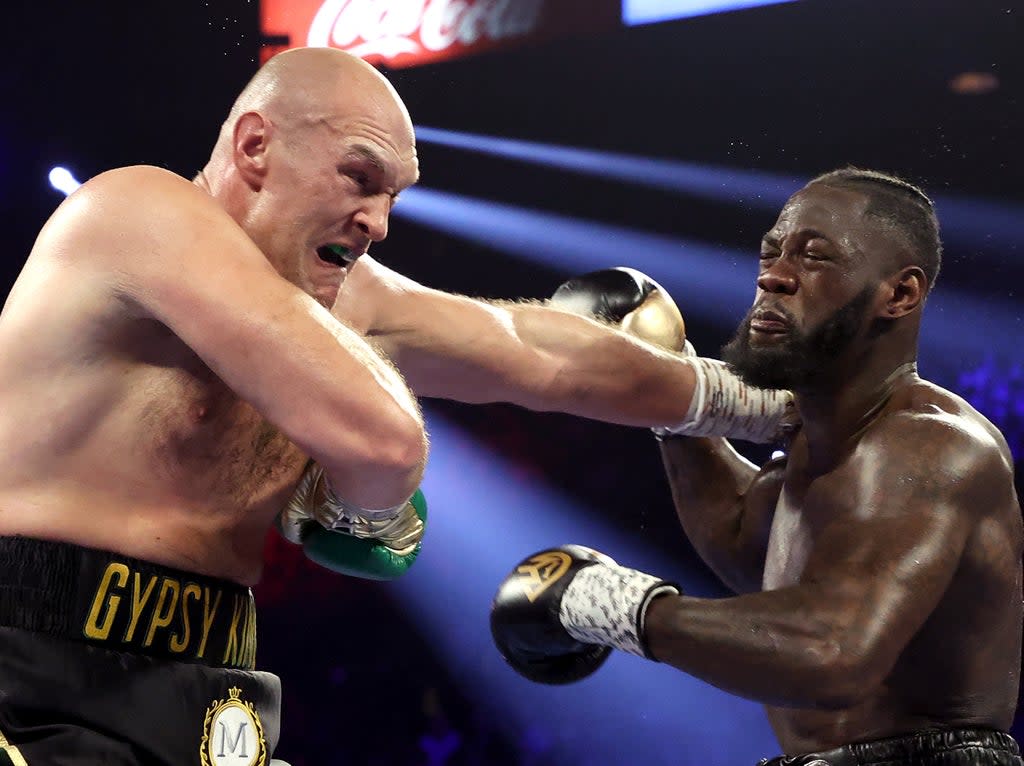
{"x":361,"y":179}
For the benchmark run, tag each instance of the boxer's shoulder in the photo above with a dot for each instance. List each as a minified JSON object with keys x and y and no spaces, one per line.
{"x":123,"y":219}
{"x":929,"y":415}
{"x":934,"y":442}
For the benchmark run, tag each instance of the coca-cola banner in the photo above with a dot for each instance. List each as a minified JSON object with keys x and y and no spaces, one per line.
{"x":401,"y":33}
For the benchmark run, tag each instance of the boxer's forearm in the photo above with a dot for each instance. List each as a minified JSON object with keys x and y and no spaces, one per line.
{"x":787,"y":648}
{"x":708,"y":479}
{"x":533,"y":355}
{"x":375,"y":449}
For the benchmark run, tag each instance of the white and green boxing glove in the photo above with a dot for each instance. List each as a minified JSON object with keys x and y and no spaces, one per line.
{"x":371,"y":544}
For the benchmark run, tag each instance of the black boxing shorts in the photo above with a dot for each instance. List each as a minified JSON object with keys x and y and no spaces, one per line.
{"x":106,"y":659}
{"x":936,"y":747}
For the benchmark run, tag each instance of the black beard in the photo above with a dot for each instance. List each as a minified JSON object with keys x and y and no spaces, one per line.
{"x":802,"y":359}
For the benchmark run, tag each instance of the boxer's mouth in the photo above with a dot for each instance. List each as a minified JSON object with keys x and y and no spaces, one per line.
{"x":336,"y":255}
{"x":769,"y":322}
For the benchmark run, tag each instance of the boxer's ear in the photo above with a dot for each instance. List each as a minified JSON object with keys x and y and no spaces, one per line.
{"x":249,"y":147}
{"x":904,"y":292}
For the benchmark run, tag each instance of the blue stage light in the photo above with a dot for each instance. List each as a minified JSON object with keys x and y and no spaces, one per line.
{"x":991,"y":225}
{"x":723,"y":184}
{"x":484,"y":518}
{"x":649,"y":11}
{"x":716,"y":283}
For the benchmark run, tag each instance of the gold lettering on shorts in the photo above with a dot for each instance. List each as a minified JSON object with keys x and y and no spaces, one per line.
{"x":179,"y":643}
{"x":139,"y":598}
{"x":163,"y":612}
{"x":209,"y":612}
{"x":231,"y":651}
{"x":249,"y":637}
{"x":93,"y":628}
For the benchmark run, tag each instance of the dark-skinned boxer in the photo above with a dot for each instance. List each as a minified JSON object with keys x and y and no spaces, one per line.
{"x":877,"y":564}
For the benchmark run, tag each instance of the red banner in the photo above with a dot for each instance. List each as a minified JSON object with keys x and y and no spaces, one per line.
{"x":402,"y":33}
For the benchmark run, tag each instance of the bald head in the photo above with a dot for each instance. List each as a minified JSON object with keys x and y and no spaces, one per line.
{"x":309,"y":85}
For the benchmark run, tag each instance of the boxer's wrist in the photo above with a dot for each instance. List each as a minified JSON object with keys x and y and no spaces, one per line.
{"x":607,"y":605}
{"x":723,"y":405}
{"x":397,"y":527}
{"x":315,"y":501}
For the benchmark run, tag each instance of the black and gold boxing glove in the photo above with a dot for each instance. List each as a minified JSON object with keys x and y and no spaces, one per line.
{"x":721,"y":404}
{"x":629,"y":299}
{"x":557,"y":616}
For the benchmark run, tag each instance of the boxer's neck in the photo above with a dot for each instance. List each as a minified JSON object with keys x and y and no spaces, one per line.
{"x":834,"y":418}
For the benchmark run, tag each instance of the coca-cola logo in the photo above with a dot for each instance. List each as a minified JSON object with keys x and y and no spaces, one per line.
{"x":389,"y":28}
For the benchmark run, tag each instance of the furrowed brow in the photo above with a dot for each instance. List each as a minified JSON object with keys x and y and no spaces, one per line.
{"x":371,"y":156}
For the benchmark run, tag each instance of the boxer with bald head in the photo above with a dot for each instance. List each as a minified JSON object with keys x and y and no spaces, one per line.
{"x":877,"y":562}
{"x":168,"y":367}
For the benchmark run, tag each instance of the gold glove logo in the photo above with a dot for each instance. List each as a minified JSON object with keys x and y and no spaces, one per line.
{"x":232,"y":733}
{"x":540,"y":572}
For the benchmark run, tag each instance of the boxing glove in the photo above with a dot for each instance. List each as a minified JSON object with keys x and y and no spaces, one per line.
{"x":374,"y":545}
{"x":629,"y":299}
{"x":557,"y":616}
{"x":721,"y":404}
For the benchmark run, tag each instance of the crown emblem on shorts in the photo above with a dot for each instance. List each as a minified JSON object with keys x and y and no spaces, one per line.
{"x":232,"y":733}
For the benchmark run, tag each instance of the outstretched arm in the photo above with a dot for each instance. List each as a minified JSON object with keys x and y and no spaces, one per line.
{"x":531,"y":354}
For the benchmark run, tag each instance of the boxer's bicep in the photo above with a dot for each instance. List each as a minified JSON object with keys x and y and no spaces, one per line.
{"x":724,"y":504}
{"x":755,"y":525}
{"x":456,"y":347}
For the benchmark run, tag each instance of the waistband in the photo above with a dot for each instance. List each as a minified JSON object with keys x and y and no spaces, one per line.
{"x":942,"y":747}
{"x":121,"y":603}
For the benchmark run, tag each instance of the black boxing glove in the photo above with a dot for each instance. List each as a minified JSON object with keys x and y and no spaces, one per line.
{"x":627,"y":298}
{"x":721,"y":403}
{"x":556,"y":618}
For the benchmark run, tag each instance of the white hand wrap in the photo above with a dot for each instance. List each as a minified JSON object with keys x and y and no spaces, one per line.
{"x":399,"y":528}
{"x":606,"y":604}
{"x":723,"y":405}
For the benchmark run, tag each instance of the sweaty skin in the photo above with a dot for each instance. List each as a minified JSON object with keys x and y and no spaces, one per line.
{"x":879,"y":562}
{"x":167,"y":358}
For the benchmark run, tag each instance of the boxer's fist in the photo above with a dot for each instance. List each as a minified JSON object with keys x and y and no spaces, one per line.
{"x":367,"y":558}
{"x":373,"y":545}
{"x":525,"y":619}
{"x":555,"y":617}
{"x":629,"y":299}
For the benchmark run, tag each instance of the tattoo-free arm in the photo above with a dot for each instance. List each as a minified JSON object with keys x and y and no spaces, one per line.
{"x":724,"y":504}
{"x":530,"y":354}
{"x":170,"y":253}
{"x":886,"y":552}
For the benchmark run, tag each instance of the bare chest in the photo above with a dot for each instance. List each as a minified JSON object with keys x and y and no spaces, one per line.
{"x":800,"y":515}
{"x":209,"y":442}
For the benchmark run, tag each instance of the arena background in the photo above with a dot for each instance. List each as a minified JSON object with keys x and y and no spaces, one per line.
{"x":736,"y":110}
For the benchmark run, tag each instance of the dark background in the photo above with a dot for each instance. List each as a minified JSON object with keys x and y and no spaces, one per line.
{"x":795,"y":89}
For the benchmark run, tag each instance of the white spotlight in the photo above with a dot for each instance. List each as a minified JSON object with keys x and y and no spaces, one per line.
{"x":62,"y":180}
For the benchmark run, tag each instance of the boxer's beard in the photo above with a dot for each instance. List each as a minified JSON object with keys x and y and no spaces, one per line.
{"x":803,"y":358}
